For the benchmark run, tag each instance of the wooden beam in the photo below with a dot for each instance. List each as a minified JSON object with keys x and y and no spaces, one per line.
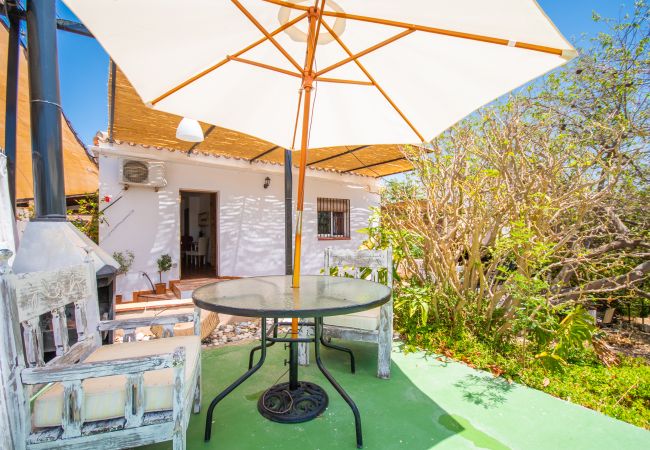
{"x":347,"y":152}
{"x":111,"y":107}
{"x":265,"y":66}
{"x":396,"y":173}
{"x":373,"y":81}
{"x":364,"y":52}
{"x":267,"y":34}
{"x":205,"y":136}
{"x":264,"y":153}
{"x":225,"y":60}
{"x":368,"y":166}
{"x":384,"y":162}
{"x":433,"y":30}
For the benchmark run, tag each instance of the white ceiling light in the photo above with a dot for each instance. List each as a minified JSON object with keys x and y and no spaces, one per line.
{"x":189,"y":130}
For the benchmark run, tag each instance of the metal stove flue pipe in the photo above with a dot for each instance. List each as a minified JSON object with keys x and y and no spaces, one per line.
{"x":45,"y":109}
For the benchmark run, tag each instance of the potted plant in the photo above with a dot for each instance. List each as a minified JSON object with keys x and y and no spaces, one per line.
{"x":164,"y":265}
{"x":125,"y":260}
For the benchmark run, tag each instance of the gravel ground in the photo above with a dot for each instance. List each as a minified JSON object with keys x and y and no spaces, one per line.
{"x":236,"y":332}
{"x":229,"y":332}
{"x":629,"y":341}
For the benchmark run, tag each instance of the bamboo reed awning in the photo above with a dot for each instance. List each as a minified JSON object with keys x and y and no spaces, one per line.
{"x":135,"y":123}
{"x":81,"y":173}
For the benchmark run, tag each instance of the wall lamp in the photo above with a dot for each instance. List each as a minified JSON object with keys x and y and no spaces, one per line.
{"x":267,"y":182}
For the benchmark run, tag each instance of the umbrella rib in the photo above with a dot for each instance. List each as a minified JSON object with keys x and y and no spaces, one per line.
{"x":314,"y":41}
{"x":295,"y":127}
{"x":433,"y":30}
{"x":373,"y":81}
{"x":365,"y":52}
{"x":344,"y":81}
{"x":265,"y":66}
{"x":266,"y":33}
{"x":225,"y":60}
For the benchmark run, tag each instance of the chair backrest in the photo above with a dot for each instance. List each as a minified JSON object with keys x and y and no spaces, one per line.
{"x":203,"y":246}
{"x":55,"y":299}
{"x":360,"y":263}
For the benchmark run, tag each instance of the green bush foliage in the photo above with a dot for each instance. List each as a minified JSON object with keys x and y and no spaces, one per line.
{"x":521,"y":218}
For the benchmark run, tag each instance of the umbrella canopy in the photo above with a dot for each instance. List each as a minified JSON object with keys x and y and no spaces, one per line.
{"x":360,"y":71}
{"x":133,"y":122}
{"x":420,"y":66}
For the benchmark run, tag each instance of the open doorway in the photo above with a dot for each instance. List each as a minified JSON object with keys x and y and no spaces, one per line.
{"x":199,"y":244}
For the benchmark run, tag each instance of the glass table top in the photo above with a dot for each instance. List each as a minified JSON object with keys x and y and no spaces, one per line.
{"x":273,"y":296}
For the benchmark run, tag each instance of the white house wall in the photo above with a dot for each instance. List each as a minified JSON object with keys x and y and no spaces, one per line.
{"x":250,"y":218}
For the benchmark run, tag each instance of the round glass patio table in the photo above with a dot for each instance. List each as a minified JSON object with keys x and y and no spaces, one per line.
{"x":274,"y":297}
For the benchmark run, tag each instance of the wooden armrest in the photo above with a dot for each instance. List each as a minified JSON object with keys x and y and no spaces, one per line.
{"x":137,"y":322}
{"x":82,"y":371}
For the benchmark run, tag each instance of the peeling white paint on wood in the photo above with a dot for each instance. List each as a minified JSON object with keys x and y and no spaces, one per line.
{"x":28,"y":296}
{"x":353,"y":262}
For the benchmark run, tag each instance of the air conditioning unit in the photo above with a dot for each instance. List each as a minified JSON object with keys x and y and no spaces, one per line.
{"x":138,"y":172}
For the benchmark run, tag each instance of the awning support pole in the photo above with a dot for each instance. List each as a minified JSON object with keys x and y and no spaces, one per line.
{"x":288,"y":213}
{"x":45,"y":109}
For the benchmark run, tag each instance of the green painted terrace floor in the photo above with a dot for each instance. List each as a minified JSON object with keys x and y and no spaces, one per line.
{"x":427,"y":404}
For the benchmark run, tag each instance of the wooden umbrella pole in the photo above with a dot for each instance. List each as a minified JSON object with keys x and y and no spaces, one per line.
{"x":307,"y":84}
{"x":300,"y":202}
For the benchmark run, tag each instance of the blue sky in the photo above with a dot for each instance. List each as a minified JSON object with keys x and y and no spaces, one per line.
{"x":83,"y":64}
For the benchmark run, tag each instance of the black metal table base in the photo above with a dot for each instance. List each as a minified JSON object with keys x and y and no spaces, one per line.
{"x":282,"y":404}
{"x":324,"y":342}
{"x":295,"y":401}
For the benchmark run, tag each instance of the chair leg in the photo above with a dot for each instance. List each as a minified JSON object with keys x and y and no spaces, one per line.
{"x":197,"y":392}
{"x":383,"y":361}
{"x":303,"y":347}
{"x":385,"y":340}
{"x":179,"y":439}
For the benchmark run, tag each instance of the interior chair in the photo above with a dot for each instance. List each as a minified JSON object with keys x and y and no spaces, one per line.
{"x":198,"y":255}
{"x":186,"y":246}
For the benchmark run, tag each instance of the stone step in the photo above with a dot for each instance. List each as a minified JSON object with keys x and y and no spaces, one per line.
{"x":180,"y":294}
{"x":184,"y":288}
{"x":151,"y":305}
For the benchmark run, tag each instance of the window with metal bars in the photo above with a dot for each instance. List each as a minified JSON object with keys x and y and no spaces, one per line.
{"x":333,"y":218}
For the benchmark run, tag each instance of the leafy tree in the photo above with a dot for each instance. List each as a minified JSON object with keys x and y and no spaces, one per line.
{"x":532,"y":206}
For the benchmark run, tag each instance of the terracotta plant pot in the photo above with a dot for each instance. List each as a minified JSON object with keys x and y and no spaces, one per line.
{"x":161,"y":288}
{"x":118,"y":299}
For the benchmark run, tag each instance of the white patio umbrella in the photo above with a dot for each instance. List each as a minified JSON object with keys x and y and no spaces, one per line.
{"x":322,"y":72}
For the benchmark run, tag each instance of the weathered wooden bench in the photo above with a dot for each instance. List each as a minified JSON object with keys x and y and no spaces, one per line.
{"x":375,"y":325}
{"x":90,"y":396}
